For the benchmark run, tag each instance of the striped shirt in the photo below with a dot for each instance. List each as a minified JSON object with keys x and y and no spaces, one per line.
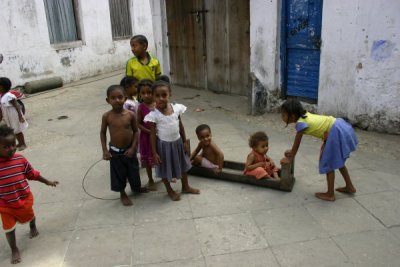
{"x":14,"y":186}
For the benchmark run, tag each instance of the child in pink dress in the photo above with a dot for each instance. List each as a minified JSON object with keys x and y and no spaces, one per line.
{"x":147,"y":104}
{"x":11,"y":112}
{"x":258,"y":164}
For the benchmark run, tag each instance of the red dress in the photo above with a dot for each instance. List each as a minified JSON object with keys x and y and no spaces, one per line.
{"x":262,"y":172}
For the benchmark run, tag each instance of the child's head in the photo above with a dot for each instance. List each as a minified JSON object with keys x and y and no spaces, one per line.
{"x":7,"y":142}
{"x":116,"y":96}
{"x":164,"y":78}
{"x":161,"y":94}
{"x":129,"y":84}
{"x":145,"y":92}
{"x":259,"y":142}
{"x":203,"y":132}
{"x":139,"y":45}
{"x":5,"y":84}
{"x":292,"y":110}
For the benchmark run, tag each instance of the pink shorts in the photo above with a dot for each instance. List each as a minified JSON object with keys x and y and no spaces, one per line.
{"x":205,"y":163}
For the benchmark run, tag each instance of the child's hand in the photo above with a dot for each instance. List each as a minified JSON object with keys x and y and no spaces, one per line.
{"x":217,"y":171}
{"x":21,"y":119}
{"x":129,"y":152}
{"x":157,"y":159}
{"x":106,"y":155}
{"x":52,"y":183}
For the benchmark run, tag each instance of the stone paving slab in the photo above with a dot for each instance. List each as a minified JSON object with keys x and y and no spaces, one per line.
{"x":288,"y":225}
{"x":342,"y":217}
{"x":385,"y":206}
{"x":371,"y":248}
{"x":228,"y":234}
{"x":254,"y":258}
{"x":165,"y":242}
{"x":320,"y":252}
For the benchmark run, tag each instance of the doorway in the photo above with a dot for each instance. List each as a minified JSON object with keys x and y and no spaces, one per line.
{"x":209,"y":44}
{"x":300,"y":48}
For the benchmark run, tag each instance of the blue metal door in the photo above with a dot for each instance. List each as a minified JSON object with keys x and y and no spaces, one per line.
{"x":300,"y":47}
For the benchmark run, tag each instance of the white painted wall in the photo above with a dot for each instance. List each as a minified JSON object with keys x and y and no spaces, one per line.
{"x":28,"y":55}
{"x":360,"y":62}
{"x":264,"y":47}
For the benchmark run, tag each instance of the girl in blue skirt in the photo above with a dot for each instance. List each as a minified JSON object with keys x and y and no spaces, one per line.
{"x":167,"y":138}
{"x":338,"y":137}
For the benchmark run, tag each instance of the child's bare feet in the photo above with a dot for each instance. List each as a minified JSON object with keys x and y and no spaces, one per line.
{"x":21,"y":147}
{"x":33,"y":232}
{"x":190,"y":190}
{"x":151,"y":186}
{"x":125,"y":200}
{"x":325,"y":196}
{"x":173,"y":195}
{"x":346,"y":190}
{"x":15,"y":256}
{"x":142,"y":190}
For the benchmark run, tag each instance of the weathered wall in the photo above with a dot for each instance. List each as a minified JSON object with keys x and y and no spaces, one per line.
{"x":161,"y":48}
{"x":264,"y":64}
{"x":28,"y":54}
{"x":360,"y":63}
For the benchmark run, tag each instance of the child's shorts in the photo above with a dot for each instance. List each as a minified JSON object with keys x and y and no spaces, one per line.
{"x":205,"y":163}
{"x":10,"y":216}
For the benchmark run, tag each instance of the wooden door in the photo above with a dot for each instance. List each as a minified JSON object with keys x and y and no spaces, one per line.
{"x":186,"y":43}
{"x":228,"y":45}
{"x":210,"y":44}
{"x":301,"y":43}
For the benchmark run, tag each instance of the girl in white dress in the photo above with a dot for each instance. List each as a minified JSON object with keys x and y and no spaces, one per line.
{"x":11,"y":112}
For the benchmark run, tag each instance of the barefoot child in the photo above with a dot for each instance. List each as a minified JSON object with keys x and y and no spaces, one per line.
{"x":12,"y":113}
{"x":211,"y":156}
{"x":258,"y":164}
{"x":338,"y":137}
{"x":121,"y":124}
{"x":16,"y":199}
{"x":129,"y":84}
{"x":147,"y":104}
{"x":167,"y":136}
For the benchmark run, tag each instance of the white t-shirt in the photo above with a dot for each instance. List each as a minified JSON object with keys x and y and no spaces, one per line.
{"x":6,"y":98}
{"x":167,"y":126}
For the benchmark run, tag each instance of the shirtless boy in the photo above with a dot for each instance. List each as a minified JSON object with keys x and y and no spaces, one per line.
{"x":121,"y":124}
{"x":211,"y":156}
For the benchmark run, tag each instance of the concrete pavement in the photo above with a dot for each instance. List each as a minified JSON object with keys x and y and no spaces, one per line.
{"x":228,"y":224}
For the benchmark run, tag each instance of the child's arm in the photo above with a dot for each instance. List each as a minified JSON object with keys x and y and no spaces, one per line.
{"x":183,"y":135}
{"x":131,"y":151}
{"x":140,"y":121}
{"x":296,"y":144}
{"x":249,"y":166}
{"x":219,"y":154}
{"x":16,"y":106}
{"x":47,"y":182}
{"x":195,"y":152}
{"x":103,"y":137}
{"x":153,"y":137}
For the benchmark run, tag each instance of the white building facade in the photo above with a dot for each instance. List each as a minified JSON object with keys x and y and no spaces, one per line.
{"x":343,"y":55}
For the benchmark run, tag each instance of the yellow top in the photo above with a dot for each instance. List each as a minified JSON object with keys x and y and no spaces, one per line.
{"x":315,"y":125}
{"x":140,"y":71}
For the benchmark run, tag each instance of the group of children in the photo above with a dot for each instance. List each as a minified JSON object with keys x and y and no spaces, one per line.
{"x":153,"y":123}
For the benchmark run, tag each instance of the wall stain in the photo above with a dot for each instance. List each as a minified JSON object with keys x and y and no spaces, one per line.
{"x":381,"y":50}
